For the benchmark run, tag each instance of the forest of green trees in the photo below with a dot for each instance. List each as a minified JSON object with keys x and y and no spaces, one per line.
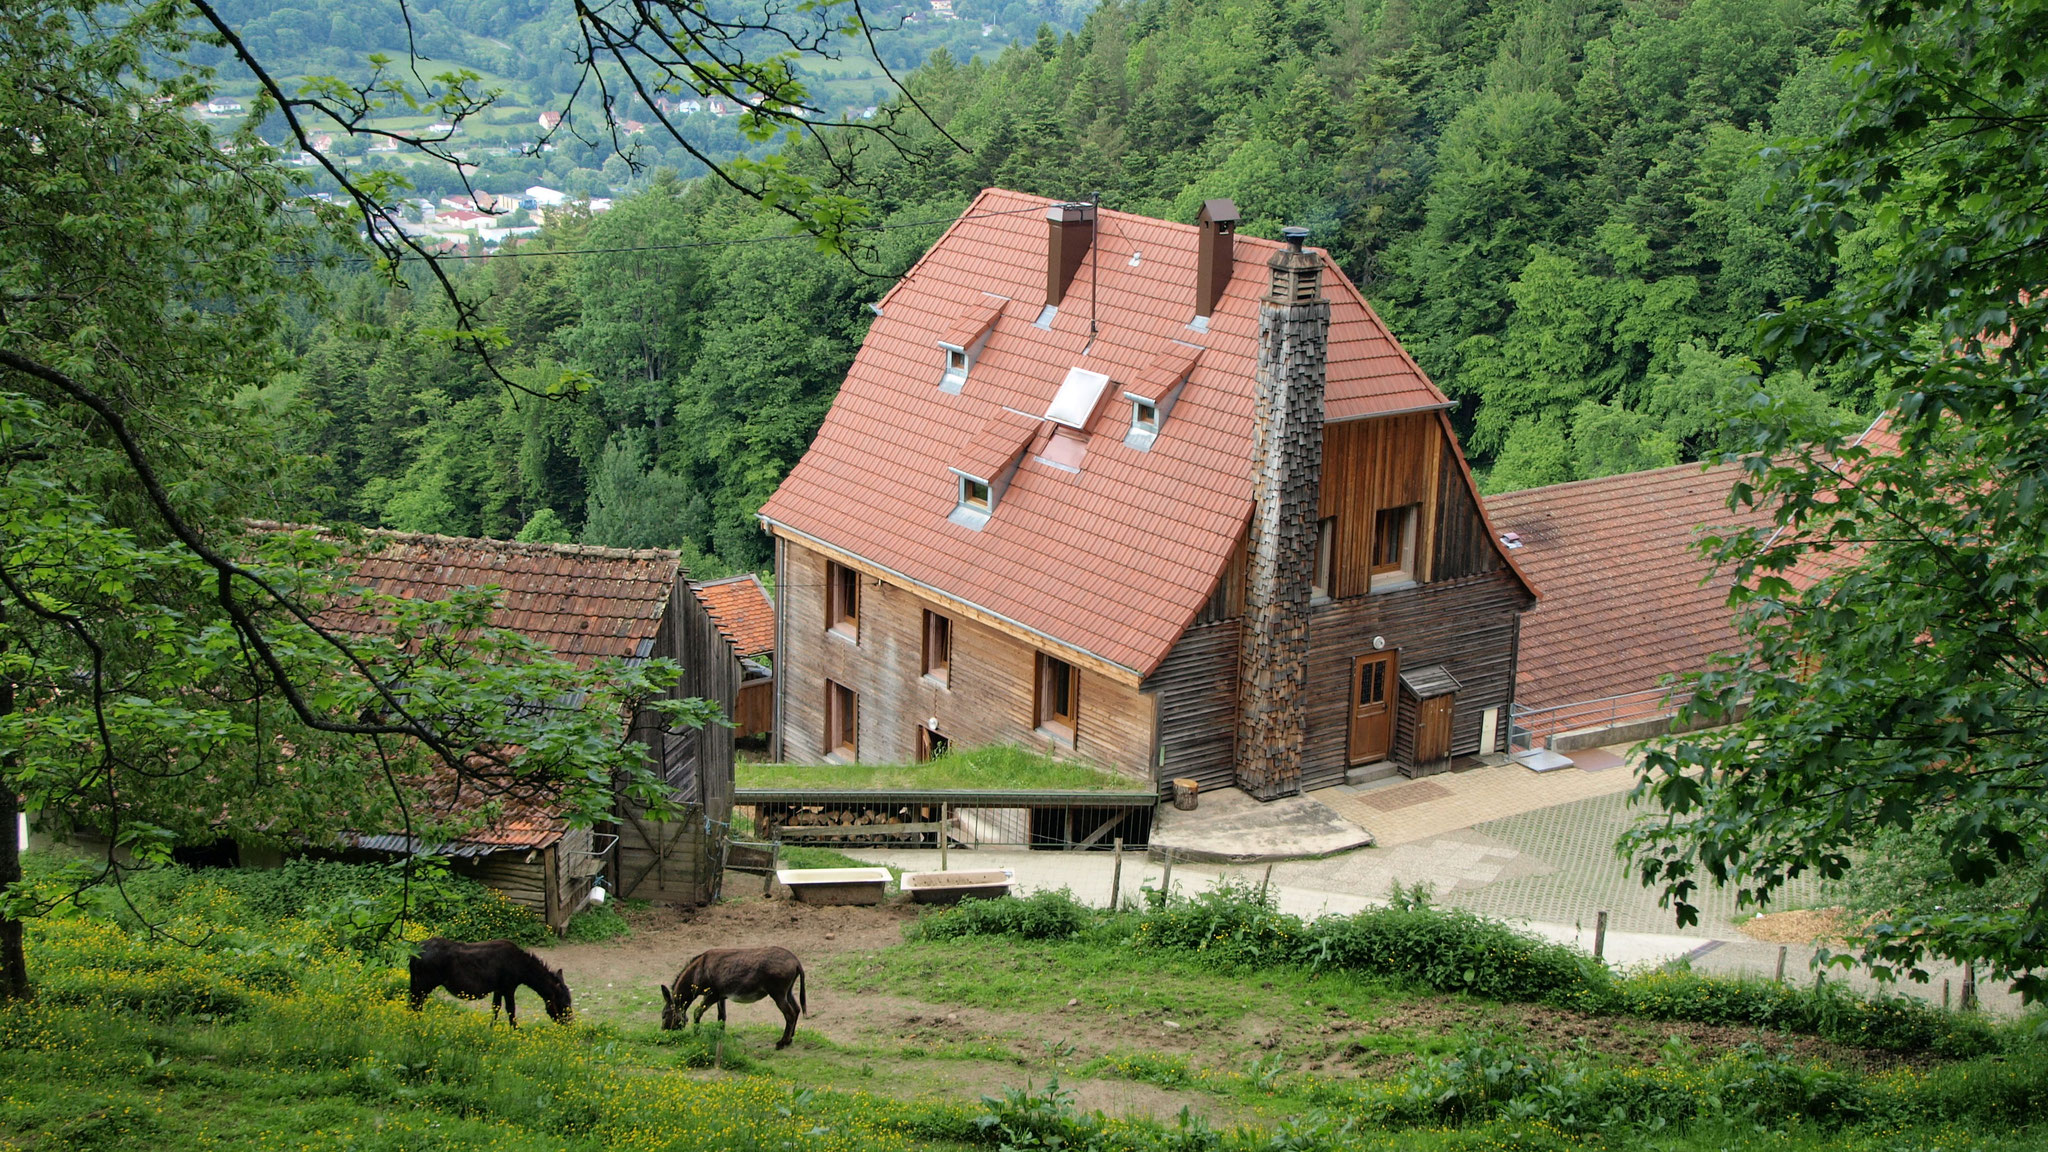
{"x":1564,"y":208}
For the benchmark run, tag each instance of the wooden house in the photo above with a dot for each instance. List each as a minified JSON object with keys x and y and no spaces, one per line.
{"x":585,"y":604}
{"x":745,"y":616}
{"x":1154,"y":495}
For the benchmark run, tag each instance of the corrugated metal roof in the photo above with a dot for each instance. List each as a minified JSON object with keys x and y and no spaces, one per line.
{"x":1113,"y":560}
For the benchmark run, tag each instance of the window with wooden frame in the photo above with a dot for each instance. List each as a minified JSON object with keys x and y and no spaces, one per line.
{"x":938,"y":647}
{"x":842,"y":721}
{"x":974,"y":494}
{"x":1326,"y":558}
{"x":1393,"y":542}
{"x":842,"y":599}
{"x":1057,"y":701}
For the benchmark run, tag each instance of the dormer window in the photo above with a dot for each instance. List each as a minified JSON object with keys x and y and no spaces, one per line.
{"x":962,"y":345}
{"x":1153,"y":396}
{"x":974,"y":494}
{"x":1144,"y":425}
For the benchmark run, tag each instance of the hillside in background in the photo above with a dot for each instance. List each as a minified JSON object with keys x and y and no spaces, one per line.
{"x":526,"y":50}
{"x":1557,"y":205}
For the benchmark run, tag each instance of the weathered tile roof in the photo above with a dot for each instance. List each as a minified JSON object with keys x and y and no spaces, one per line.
{"x":1115,"y":559}
{"x":1627,"y":597}
{"x":741,"y":609}
{"x":585,"y":603}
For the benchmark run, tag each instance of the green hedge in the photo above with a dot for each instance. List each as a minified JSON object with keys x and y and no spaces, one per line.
{"x":1453,"y":951}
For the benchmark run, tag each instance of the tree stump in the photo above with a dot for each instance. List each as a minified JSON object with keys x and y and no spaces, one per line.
{"x":1184,"y":793}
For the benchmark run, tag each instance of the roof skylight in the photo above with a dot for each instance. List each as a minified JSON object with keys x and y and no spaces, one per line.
{"x":1077,"y":397}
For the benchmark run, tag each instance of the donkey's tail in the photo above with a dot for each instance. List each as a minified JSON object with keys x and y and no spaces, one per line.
{"x":800,"y":999}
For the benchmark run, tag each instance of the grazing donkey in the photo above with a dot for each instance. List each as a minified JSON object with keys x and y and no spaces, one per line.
{"x":494,"y":968}
{"x":742,"y":974}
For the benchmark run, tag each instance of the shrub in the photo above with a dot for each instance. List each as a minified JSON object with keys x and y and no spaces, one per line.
{"x":1445,"y":949}
{"x":598,"y":923}
{"x":1050,"y":915}
{"x":1830,"y":1011}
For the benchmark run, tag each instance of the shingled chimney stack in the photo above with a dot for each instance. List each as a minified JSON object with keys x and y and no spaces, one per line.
{"x":1070,"y":229}
{"x":1287,"y":467}
{"x":1216,"y":253}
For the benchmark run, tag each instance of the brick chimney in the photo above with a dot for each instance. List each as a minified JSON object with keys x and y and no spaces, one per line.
{"x":1216,"y":254}
{"x":1070,"y":229}
{"x":1287,"y":467}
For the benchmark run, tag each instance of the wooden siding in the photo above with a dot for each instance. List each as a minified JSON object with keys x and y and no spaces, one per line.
{"x":1196,"y":690}
{"x":755,"y":713}
{"x":1368,"y":465}
{"x":554,"y":881}
{"x":668,"y":861}
{"x":1464,"y":545}
{"x":987,"y":697}
{"x":1469,"y":626}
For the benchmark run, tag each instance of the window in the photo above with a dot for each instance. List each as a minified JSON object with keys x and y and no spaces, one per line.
{"x":930,"y":744}
{"x":938,"y":647}
{"x":1145,"y":415}
{"x":956,"y":361}
{"x":842,"y":721}
{"x":974,"y":494}
{"x":1057,"y":703}
{"x":1326,"y":557}
{"x":842,"y":599}
{"x":1390,"y":544}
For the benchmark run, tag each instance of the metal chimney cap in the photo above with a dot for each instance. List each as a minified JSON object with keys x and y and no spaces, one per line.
{"x":1295,"y":237}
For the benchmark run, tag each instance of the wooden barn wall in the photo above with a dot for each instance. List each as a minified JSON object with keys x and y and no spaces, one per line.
{"x":988,"y":697}
{"x":672,"y":862}
{"x":523,"y":881}
{"x":755,"y":712}
{"x":711,"y":671}
{"x":1373,"y":464}
{"x":1470,"y":626}
{"x":1196,"y":690}
{"x":1464,"y":547}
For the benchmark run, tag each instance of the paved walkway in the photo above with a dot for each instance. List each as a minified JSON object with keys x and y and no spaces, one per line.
{"x":1403,"y":811}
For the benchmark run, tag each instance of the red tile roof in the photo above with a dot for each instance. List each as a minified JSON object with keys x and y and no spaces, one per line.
{"x":741,"y":609}
{"x":1113,"y":560}
{"x":583,"y":602}
{"x":1627,"y":597}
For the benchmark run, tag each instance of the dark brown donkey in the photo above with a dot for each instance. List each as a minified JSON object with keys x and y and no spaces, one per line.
{"x":742,"y":974}
{"x":494,"y":968}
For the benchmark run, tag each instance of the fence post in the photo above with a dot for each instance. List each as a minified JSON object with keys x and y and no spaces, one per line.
{"x":1266,"y":885}
{"x":1116,"y":876}
{"x":945,"y":819}
{"x":1968,"y":1001}
{"x":1166,"y":880}
{"x":1781,"y":963}
{"x":1600,"y":937}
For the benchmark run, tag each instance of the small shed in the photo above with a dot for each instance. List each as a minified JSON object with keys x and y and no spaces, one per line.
{"x":528,"y":853}
{"x":745,"y":616}
{"x":587,"y":604}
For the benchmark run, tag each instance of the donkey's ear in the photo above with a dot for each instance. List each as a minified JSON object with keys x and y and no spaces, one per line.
{"x":667,"y":997}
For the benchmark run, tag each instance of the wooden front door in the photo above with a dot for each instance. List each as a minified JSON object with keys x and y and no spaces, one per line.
{"x":1433,"y":729}
{"x":1372,"y":708}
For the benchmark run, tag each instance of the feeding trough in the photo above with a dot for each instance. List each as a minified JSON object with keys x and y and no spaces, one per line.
{"x":953,"y":887}
{"x":835,"y":885}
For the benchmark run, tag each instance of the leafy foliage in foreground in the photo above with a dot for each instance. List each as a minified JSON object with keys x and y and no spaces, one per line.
{"x":1450,"y":950}
{"x":1892,"y":687}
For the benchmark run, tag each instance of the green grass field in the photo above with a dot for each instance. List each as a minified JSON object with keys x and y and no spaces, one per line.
{"x":269,"y":1033}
